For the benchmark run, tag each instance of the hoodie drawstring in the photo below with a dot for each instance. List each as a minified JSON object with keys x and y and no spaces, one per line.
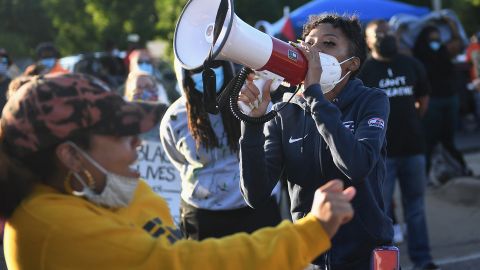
{"x":304,"y":126}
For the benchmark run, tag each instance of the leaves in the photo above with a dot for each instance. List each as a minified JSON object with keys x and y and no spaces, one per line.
{"x":475,"y":2}
{"x":86,"y":25}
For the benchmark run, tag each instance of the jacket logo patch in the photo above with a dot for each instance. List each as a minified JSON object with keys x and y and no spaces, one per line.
{"x":376,"y":122}
{"x":292,"y":140}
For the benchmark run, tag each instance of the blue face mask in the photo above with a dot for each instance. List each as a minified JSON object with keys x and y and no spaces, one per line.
{"x":48,"y":62}
{"x":198,"y":81}
{"x":3,"y":68}
{"x":145,"y":67}
{"x":434,"y":45}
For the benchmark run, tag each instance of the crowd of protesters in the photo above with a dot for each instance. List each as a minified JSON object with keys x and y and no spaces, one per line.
{"x":423,"y":112}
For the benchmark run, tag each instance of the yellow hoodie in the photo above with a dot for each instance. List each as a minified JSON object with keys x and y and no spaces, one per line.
{"x":51,"y":230}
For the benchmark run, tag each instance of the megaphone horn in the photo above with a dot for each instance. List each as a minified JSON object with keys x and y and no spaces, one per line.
{"x":237,"y":42}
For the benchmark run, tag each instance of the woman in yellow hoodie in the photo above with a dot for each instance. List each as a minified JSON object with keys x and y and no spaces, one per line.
{"x":72,"y":201}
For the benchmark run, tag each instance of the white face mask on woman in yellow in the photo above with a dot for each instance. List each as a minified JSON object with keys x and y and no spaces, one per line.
{"x":118,"y":191}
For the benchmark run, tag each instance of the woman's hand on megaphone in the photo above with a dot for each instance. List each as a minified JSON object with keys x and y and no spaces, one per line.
{"x":250,"y":96}
{"x":314,"y":66}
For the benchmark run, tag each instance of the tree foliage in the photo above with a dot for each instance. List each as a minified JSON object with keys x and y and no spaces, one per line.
{"x":168,"y":12}
{"x":73,"y":26}
{"x":475,"y":2}
{"x":85,"y":25}
{"x":23,"y":24}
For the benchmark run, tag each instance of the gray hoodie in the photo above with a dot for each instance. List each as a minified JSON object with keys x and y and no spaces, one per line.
{"x":210,"y":179}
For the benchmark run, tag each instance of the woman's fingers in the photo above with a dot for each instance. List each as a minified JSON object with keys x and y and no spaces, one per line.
{"x":314,"y":66}
{"x":335,"y":185}
{"x":250,"y":92}
{"x":243,"y":98}
{"x":266,"y":91}
{"x":304,"y":49}
{"x":350,"y":193}
{"x":251,"y":76}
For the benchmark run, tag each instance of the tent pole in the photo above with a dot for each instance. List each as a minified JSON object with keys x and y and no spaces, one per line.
{"x":436,"y":5}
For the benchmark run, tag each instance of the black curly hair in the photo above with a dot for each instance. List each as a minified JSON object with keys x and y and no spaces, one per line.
{"x":350,"y":27}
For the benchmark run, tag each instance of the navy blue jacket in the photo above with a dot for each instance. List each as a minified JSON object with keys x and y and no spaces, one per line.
{"x":312,"y":141}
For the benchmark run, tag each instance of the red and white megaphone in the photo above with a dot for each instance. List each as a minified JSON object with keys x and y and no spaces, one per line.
{"x":237,"y":42}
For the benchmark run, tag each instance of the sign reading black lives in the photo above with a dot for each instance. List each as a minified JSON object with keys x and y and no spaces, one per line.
{"x":155,"y":168}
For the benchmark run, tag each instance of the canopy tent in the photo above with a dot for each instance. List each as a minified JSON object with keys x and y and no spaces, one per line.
{"x":412,"y":25}
{"x":366,"y":10}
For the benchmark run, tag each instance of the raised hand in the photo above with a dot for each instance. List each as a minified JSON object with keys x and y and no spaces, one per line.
{"x":331,"y":205}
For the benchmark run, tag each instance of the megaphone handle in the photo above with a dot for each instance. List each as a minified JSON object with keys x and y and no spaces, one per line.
{"x":234,"y":104}
{"x":260,"y":81}
{"x":247,"y":108}
{"x":260,"y":84}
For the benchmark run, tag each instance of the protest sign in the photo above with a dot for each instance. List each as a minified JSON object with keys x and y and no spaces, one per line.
{"x":155,"y":168}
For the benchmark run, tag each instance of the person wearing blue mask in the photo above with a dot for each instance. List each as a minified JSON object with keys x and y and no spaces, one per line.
{"x":198,"y":80}
{"x":204,"y":148}
{"x":145,"y":66}
{"x":440,"y":120}
{"x":47,"y":59}
{"x":142,"y":61}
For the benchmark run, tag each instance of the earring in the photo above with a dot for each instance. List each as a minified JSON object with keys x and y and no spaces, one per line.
{"x":68,"y":187}
{"x":90,"y":181}
{"x":66,"y":183}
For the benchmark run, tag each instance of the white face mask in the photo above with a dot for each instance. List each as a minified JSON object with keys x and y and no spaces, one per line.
{"x":118,"y":191}
{"x":331,"y":72}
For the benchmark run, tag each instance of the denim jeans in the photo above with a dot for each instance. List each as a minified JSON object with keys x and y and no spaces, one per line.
{"x":476,"y":97}
{"x":440,"y":122}
{"x":410,"y":172}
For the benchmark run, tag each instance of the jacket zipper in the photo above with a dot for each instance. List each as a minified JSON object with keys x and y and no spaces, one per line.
{"x":326,"y":256}
{"x":322,"y":172}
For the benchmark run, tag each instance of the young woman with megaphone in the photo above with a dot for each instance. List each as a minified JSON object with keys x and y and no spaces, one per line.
{"x":334,"y":128}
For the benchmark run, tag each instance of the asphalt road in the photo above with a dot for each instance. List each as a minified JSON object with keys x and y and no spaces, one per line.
{"x":453,"y":216}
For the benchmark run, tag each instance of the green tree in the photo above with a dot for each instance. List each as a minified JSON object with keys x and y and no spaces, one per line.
{"x":475,"y":2}
{"x":85,"y":25}
{"x":115,"y":19}
{"x":23,"y":24}
{"x":168,"y":13}
{"x":74,"y":28}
